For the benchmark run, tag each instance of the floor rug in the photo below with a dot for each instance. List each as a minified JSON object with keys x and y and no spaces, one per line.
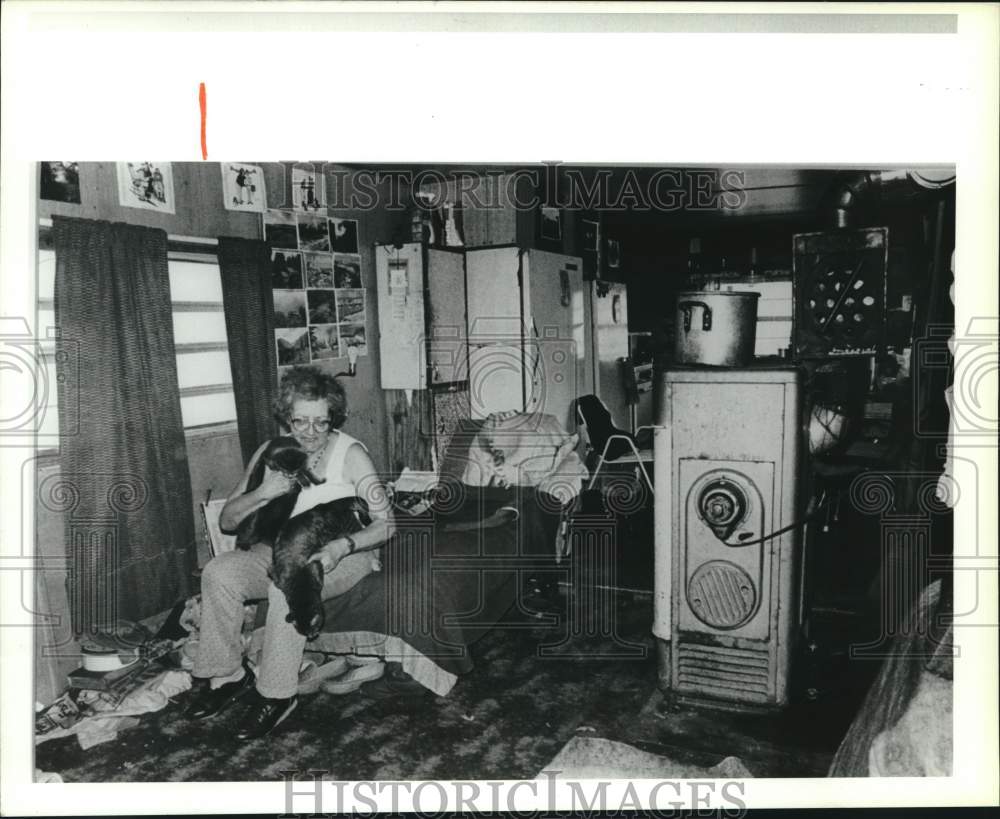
{"x":597,"y":758}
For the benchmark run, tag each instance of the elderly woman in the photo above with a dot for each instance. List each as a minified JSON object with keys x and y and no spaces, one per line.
{"x":312,"y":406}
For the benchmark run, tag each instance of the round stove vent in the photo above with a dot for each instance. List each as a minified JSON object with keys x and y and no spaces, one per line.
{"x":721,"y":594}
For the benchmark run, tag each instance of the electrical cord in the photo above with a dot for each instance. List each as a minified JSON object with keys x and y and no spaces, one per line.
{"x":819,"y":507}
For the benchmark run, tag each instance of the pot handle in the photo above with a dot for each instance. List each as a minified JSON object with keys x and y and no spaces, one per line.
{"x":706,"y":314}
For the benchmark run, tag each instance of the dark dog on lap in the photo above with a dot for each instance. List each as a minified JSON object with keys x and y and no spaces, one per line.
{"x":300,"y":578}
{"x":294,"y":540}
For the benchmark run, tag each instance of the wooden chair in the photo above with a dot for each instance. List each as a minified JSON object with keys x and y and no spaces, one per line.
{"x":218,"y":541}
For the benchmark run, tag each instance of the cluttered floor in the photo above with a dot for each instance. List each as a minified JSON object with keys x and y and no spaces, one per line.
{"x":540,"y":688}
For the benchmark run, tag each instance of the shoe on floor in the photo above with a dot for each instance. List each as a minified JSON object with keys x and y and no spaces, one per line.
{"x":395,"y":684}
{"x":311,"y":678}
{"x":264,"y":715}
{"x":210,"y":701}
{"x":354,"y":679}
{"x":363,"y":659}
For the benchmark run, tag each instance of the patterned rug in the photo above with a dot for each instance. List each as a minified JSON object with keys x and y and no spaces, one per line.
{"x":536,"y":683}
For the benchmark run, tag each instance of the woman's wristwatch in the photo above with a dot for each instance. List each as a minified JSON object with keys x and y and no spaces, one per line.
{"x":351,"y":545}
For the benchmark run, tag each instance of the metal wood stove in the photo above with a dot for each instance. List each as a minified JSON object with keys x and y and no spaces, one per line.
{"x":727,"y":467}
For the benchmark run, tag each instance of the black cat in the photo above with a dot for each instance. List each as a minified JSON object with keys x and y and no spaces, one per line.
{"x":300,"y":538}
{"x":283,"y":454}
{"x":294,"y":540}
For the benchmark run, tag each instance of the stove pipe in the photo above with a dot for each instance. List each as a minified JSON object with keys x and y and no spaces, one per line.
{"x":899,"y":183}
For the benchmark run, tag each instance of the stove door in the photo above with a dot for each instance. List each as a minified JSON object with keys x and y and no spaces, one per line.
{"x":724,"y":586}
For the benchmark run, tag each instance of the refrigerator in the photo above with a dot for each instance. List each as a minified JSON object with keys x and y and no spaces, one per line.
{"x":529,"y":332}
{"x":421,"y":311}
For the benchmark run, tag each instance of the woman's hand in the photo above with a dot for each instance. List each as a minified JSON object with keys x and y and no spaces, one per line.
{"x":275,"y":484}
{"x":332,"y":554}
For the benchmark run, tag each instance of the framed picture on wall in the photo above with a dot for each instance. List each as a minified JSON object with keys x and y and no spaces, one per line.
{"x":60,"y":182}
{"x":243,"y":187}
{"x":589,"y":229}
{"x":146,"y":185}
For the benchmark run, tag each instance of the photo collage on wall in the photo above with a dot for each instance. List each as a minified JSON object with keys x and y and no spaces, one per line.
{"x":319,"y":299}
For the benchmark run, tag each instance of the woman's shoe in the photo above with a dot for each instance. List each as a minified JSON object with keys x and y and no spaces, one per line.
{"x":312,"y":677}
{"x":363,"y":659}
{"x":354,"y":679}
{"x":264,"y":715}
{"x":210,"y":701}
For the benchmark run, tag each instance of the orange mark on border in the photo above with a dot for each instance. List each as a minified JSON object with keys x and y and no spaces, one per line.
{"x":203,"y":103}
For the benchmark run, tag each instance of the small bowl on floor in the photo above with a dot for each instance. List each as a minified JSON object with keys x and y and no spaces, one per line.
{"x":354,"y":679}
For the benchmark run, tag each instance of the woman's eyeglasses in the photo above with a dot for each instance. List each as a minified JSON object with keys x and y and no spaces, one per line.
{"x":302,"y":424}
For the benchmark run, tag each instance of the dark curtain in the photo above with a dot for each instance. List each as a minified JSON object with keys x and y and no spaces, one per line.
{"x":125,"y":487}
{"x":249,"y":307}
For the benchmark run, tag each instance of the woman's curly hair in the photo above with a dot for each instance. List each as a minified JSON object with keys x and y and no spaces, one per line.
{"x":310,"y":384}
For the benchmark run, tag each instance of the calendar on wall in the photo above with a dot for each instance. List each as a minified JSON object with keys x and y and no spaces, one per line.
{"x":399,"y":276}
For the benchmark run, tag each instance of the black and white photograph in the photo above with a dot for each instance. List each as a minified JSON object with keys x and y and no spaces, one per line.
{"x":346,"y":271}
{"x":351,"y":305}
{"x":322,"y":306}
{"x":307,"y":189}
{"x":353,"y":336}
{"x":313,"y":233}
{"x":784,"y":347}
{"x":289,"y":308}
{"x":666,"y":481}
{"x":280,"y":229}
{"x":319,"y":270}
{"x":286,"y":270}
{"x":344,"y":235}
{"x":60,"y":182}
{"x":243,"y":187}
{"x":292,"y":346}
{"x":324,"y":342}
{"x":146,"y":185}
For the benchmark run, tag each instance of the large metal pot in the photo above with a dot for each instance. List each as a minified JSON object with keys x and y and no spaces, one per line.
{"x":716,"y":327}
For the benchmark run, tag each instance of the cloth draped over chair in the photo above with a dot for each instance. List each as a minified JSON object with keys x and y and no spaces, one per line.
{"x":124,"y":486}
{"x":249,"y":308}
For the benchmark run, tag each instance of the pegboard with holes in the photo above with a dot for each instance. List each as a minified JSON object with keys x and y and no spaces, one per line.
{"x":840,"y":291}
